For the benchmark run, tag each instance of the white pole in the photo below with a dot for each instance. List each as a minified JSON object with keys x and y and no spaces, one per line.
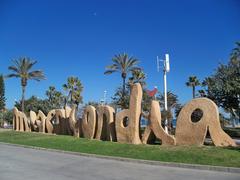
{"x":166,"y":70}
{"x":165,"y":99}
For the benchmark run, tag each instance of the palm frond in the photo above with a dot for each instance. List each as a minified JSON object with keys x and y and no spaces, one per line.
{"x":11,"y":75}
{"x":30,"y":64}
{"x":109,"y":72}
{"x":122,"y":63}
{"x":112,"y":67}
{"x":65,"y":87}
{"x":132,"y":62}
{"x":36,"y":75}
{"x":13,"y":68}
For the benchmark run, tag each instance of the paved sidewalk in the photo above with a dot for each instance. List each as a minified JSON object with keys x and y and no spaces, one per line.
{"x":24,"y":163}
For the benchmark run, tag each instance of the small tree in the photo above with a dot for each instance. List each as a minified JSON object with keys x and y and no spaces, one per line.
{"x":55,"y":98}
{"x":193,"y":82}
{"x":74,"y":88}
{"x":6,"y":116}
{"x":223,"y":87}
{"x":35,"y":104}
{"x":2,"y":94}
{"x":172,"y":105}
{"x":121,"y":98}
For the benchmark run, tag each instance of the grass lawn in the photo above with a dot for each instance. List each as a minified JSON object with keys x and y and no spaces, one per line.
{"x":206,"y":155}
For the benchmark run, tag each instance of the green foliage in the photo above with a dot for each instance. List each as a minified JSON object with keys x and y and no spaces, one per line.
{"x":206,"y":155}
{"x":235,"y":55}
{"x":121,"y":100}
{"x":172,"y":105}
{"x":193,"y":82}
{"x":123,"y":64}
{"x":177,"y":110}
{"x":74,"y":89}
{"x":2,"y":93}
{"x":223,"y":87}
{"x":35,"y":104}
{"x":55,"y":98}
{"x":92,"y":103}
{"x":138,"y":76}
{"x":6,"y":115}
{"x":21,"y":68}
{"x":223,"y":120}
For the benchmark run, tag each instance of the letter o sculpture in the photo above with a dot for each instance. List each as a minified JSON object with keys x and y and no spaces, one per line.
{"x":89,"y":122}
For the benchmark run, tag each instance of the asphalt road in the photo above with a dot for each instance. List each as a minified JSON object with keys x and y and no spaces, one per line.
{"x":17,"y":163}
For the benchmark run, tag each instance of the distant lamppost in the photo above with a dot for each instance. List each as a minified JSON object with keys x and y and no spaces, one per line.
{"x":104,"y":99}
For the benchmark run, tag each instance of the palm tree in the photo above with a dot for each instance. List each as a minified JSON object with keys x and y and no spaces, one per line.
{"x":123,"y":64}
{"x":138,"y":76}
{"x":172,"y":104}
{"x":21,"y":68}
{"x":193,"y":82}
{"x":74,"y":88}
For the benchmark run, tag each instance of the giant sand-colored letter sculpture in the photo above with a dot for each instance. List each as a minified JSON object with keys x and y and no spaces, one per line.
{"x":130,"y":133}
{"x":156,"y":127}
{"x":89,"y":122}
{"x":20,"y":121}
{"x":105,"y":123}
{"x":66,"y":121}
{"x":194,"y":133}
{"x":101,"y":123}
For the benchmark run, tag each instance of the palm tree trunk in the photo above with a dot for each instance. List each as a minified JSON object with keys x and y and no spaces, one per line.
{"x":67,"y":98}
{"x":23,"y":97}
{"x":65,"y":101}
{"x":124,"y":86}
{"x":193,"y":88}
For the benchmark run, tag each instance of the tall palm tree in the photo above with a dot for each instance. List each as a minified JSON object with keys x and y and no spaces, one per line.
{"x":74,"y":88}
{"x":123,"y":64}
{"x":193,"y":82}
{"x":21,"y":68}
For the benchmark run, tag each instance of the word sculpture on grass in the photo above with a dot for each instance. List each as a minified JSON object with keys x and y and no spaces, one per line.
{"x":103,"y":123}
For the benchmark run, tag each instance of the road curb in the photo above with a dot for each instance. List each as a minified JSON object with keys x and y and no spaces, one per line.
{"x":157,"y":163}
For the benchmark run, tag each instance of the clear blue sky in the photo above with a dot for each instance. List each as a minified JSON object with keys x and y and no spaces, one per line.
{"x":80,"y":37}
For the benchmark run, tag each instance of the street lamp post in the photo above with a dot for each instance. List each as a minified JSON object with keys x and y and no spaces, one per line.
{"x":104,"y":99}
